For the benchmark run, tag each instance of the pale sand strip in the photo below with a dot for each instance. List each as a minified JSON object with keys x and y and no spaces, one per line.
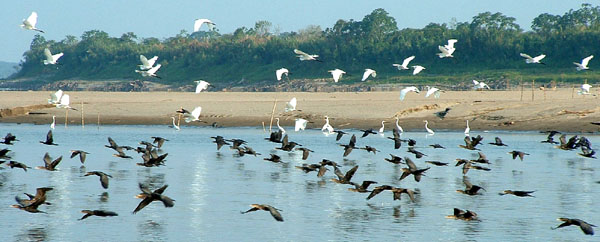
{"x":492,"y":110}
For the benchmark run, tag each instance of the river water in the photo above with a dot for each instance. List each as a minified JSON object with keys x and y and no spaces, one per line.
{"x":211,"y":188}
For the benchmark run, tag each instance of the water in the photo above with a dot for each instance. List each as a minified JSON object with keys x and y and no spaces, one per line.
{"x":211,"y":188}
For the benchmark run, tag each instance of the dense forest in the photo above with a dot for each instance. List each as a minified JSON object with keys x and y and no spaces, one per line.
{"x":487,"y":47}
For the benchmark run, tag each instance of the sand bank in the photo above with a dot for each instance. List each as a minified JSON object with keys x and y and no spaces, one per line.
{"x":487,"y":110}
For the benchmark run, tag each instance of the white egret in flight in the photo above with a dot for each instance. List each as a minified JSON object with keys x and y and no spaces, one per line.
{"x":327,"y":127}
{"x":450,"y":44}
{"x":585,"y":89}
{"x":477,"y":85}
{"x":533,"y":60}
{"x":193,"y":116}
{"x":433,"y":90}
{"x":50,"y":58}
{"x":55,"y":97}
{"x":337,"y":74}
{"x":584,"y":63}
{"x":30,"y":22}
{"x":150,"y":72}
{"x":306,"y":57}
{"x":417,"y":69}
{"x":279,"y":73}
{"x":445,"y":52}
{"x":147,"y":63}
{"x":429,"y":131}
{"x":405,"y":63}
{"x":404,"y":91}
{"x":201,"y":85}
{"x":368,"y":72}
{"x":300,"y":124}
{"x":198,"y":23}
{"x":291,"y":105}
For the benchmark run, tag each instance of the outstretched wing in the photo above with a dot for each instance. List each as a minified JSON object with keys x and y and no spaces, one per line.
{"x":32,"y":19}
{"x":407,"y":61}
{"x":525,"y":56}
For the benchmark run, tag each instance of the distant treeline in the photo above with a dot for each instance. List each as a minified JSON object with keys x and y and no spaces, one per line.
{"x":488,"y":47}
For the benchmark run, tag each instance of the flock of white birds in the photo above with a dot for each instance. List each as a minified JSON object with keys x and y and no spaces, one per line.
{"x":147,"y":68}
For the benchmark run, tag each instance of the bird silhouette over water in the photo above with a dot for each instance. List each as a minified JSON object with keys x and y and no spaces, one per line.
{"x":103,"y":177}
{"x":148,"y":197}
{"x":274,"y":158}
{"x":344,"y":178}
{"x":498,"y":142}
{"x":470,"y":189}
{"x":516,"y":153}
{"x":49,"y":139}
{"x":8,"y":139}
{"x":412,"y":170}
{"x":394,"y":159}
{"x":339,"y":135}
{"x":550,"y":138}
{"x":34,"y":202}
{"x":463,"y":215}
{"x":584,"y":226}
{"x":100,"y":213}
{"x":274,"y":211}
{"x":366,"y":132}
{"x":15,"y":164}
{"x":82,"y":155}
{"x":518,"y":193}
{"x":220,"y":141}
{"x":362,"y":188}
{"x":305,"y":152}
{"x":49,"y":164}
{"x":159,"y":141}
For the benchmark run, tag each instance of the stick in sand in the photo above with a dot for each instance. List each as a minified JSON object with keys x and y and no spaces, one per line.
{"x":272,"y":114}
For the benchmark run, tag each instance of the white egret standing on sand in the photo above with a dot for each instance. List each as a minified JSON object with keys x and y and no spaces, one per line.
{"x":429,"y":131}
{"x":433,"y":90}
{"x":382,"y":129}
{"x":147,"y":63}
{"x":50,"y":58}
{"x":533,"y":60}
{"x":398,"y":125}
{"x":279,"y":73}
{"x":199,"y":22}
{"x":584,"y":63}
{"x":368,"y":72}
{"x":150,"y":72}
{"x":467,"y":130}
{"x":585,"y":89}
{"x":280,"y":128}
{"x":404,"y":91}
{"x":445,"y":52}
{"x":306,"y":57}
{"x":291,"y":105}
{"x":477,"y":85}
{"x":300,"y":124}
{"x":417,"y":69}
{"x":53,"y":124}
{"x":201,"y":85}
{"x":175,"y":126}
{"x":193,"y":116}
{"x":30,"y":22}
{"x":327,"y":127}
{"x":337,"y":74}
{"x":404,"y":65}
{"x":55,"y":97}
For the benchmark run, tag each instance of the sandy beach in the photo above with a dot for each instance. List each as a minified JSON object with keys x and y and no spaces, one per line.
{"x":486,"y":110}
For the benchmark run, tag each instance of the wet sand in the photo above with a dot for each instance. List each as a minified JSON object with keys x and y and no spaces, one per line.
{"x":486,"y":110}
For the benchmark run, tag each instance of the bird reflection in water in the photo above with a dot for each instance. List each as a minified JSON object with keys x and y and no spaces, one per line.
{"x":33,"y":234}
{"x":151,"y":230}
{"x":104,"y":197}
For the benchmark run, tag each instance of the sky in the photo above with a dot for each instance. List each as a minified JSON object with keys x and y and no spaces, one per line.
{"x":163,"y":19}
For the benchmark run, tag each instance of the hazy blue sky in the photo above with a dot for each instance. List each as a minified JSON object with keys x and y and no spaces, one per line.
{"x":150,"y":18}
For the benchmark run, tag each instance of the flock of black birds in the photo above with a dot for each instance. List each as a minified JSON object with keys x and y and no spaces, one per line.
{"x":150,"y":156}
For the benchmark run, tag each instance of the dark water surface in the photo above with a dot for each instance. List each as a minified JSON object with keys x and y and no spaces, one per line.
{"x":212,"y":187}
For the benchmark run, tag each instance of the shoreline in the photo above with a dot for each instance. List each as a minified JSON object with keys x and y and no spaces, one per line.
{"x":486,"y":110}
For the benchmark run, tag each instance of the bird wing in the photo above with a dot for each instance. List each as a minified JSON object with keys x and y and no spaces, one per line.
{"x":431,"y":91}
{"x":276,"y":215}
{"x":48,"y":54}
{"x":65,"y":100}
{"x":376,"y":191}
{"x":75,"y":153}
{"x":407,"y":61}
{"x":291,"y":105}
{"x":411,"y":165}
{"x":368,"y":72}
{"x":196,"y":112}
{"x":152,"y":61}
{"x":299,"y":52}
{"x":57,"y":56}
{"x":338,"y":173}
{"x":350,"y":173}
{"x":467,"y":183}
{"x":403,"y":93}
{"x":526,"y":56}
{"x":32,"y":19}
{"x":147,"y":200}
{"x":167,"y":201}
{"x":55,"y":162}
{"x":586,"y":60}
{"x":450,"y":44}
{"x":198,"y":23}
{"x":161,"y":190}
{"x":104,"y":180}
{"x":47,"y":159}
{"x":154,"y":69}
{"x":352,"y":141}
{"x":539,"y":58}
{"x":417,"y":69}
{"x":445,"y":52}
